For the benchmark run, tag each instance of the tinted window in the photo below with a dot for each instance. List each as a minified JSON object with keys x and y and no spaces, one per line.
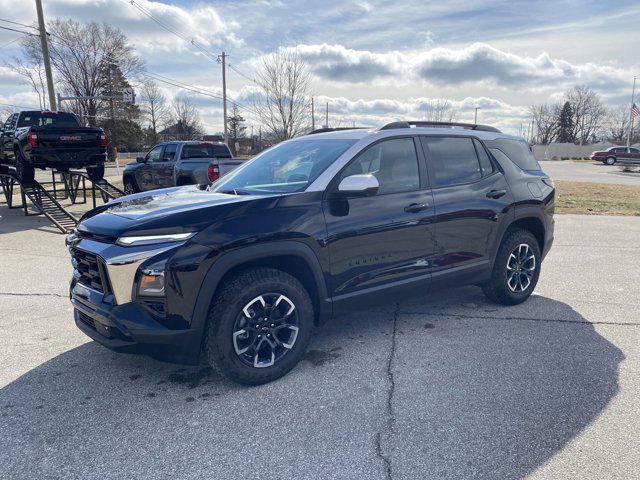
{"x":287,"y":167}
{"x":485,"y":162}
{"x":634,"y":150}
{"x":393,"y":162}
{"x":453,"y":159}
{"x":40,"y":119}
{"x":169,"y":152}
{"x":205,"y":150}
{"x":517,"y":151}
{"x":154,"y":154}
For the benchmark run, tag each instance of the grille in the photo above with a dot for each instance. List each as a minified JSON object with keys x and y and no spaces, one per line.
{"x":86,"y":320}
{"x":88,"y":270}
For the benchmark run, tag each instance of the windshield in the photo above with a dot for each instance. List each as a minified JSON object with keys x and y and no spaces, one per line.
{"x":205,"y":150}
{"x":287,"y":167}
{"x":41,"y":119}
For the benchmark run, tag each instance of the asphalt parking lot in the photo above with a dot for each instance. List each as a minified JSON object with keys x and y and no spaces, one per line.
{"x":583,"y":171}
{"x":445,"y":386}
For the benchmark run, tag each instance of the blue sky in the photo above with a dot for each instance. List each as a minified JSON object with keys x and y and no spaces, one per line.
{"x":376,"y":61}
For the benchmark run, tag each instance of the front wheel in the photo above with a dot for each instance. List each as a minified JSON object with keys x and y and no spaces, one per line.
{"x":130,"y":186}
{"x":610,"y":160}
{"x":259,"y":326}
{"x":515,"y":270}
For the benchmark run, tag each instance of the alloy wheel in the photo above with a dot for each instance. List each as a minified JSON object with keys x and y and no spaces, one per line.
{"x":521,"y":268}
{"x":265,"y":330}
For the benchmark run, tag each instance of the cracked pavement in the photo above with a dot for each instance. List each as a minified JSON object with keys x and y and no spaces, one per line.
{"x":445,"y":386}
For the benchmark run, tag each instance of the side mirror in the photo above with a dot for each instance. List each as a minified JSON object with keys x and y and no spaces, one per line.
{"x":359,"y":185}
{"x":141,"y":160}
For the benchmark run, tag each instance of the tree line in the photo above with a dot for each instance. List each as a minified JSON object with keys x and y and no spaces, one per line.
{"x":581,"y":118}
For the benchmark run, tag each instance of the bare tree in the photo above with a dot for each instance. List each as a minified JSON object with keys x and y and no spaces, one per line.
{"x":617,"y":123}
{"x":154,"y":107}
{"x":81,"y":56}
{"x":285,"y":82}
{"x":439,"y":110}
{"x":588,"y":113}
{"x":32,"y":70}
{"x":186,"y":120}
{"x":545,"y":120}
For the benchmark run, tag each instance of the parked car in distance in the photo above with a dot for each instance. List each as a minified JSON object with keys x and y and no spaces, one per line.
{"x":615,"y":154}
{"x":41,"y":139}
{"x":172,"y":164}
{"x":242,"y":271}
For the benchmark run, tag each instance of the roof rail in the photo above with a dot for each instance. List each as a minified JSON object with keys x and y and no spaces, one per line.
{"x":328,"y":129}
{"x":421,"y":123}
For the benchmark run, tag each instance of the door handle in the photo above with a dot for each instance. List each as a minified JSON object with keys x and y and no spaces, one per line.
{"x":416,"y":207}
{"x":496,"y":193}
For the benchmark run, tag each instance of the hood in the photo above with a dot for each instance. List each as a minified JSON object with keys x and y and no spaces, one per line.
{"x":181,"y":209}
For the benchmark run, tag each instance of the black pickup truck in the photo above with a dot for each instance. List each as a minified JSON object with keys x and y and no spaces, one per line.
{"x":33,"y":139}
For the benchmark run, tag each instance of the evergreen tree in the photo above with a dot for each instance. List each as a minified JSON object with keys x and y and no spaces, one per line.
{"x":565,"y":124}
{"x":235,"y":126}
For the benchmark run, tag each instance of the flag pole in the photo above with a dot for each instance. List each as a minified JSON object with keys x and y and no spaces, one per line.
{"x":633,"y":99}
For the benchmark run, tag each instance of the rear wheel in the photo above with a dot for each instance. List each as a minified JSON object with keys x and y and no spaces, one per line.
{"x":610,"y":160}
{"x":516,"y":269}
{"x":24,"y":171}
{"x":259,"y":326}
{"x":96,"y":173}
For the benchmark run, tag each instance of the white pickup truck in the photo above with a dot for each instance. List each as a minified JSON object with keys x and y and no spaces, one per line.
{"x":171,"y":164}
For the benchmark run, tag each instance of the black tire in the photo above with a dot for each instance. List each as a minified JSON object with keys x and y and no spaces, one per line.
{"x":25,"y":172}
{"x":498,"y":289}
{"x":130,"y":186}
{"x":226,"y":310}
{"x":610,"y":161}
{"x":96,"y":173}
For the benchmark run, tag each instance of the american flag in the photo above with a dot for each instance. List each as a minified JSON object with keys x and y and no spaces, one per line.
{"x":635,"y":111}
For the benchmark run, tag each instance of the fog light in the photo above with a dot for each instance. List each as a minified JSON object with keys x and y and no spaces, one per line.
{"x":151,"y":283}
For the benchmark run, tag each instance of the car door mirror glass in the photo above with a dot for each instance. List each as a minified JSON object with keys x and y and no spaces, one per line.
{"x":141,"y":160}
{"x":359,"y":185}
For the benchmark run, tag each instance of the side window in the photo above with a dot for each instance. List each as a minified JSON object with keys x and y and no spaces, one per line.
{"x":154,"y":154}
{"x":454,"y":160}
{"x":393,"y":162}
{"x":10,"y":121}
{"x":485,"y":162}
{"x":634,"y":150}
{"x":169,"y":152}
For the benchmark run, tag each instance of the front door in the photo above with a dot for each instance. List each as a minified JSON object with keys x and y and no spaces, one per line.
{"x":386,"y":239}
{"x":471,"y":197}
{"x":144,"y":174}
{"x":163,"y":168}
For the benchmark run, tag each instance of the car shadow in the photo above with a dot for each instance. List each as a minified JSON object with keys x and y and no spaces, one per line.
{"x":455,"y":388}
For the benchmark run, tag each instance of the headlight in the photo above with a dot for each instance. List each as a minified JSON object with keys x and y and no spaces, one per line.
{"x":151,"y":283}
{"x":136,"y":241}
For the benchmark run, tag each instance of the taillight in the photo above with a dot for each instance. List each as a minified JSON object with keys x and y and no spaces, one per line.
{"x":103,"y":140}
{"x":548,"y":182}
{"x":32,"y":140}
{"x":213,"y":172}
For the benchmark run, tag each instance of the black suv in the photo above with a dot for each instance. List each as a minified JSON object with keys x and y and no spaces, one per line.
{"x":240,"y":273}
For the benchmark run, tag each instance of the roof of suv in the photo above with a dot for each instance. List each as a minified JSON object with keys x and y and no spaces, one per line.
{"x":358,"y":134}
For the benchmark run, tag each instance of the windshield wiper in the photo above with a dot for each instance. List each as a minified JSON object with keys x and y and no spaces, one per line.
{"x":235,"y":191}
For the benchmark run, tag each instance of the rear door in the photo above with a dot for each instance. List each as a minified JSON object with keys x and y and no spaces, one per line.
{"x":8,"y":135}
{"x":634,"y":154}
{"x":471,"y":197}
{"x":386,"y":239}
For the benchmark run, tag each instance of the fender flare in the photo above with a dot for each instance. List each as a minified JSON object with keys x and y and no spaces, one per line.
{"x":518,"y":214}
{"x":227,"y":261}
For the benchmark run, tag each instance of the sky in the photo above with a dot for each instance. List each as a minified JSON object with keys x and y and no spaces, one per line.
{"x":372,"y":61}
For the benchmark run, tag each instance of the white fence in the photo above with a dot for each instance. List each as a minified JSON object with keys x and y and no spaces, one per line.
{"x":564,"y":151}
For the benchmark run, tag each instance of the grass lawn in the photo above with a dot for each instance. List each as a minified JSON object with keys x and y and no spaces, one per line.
{"x":597,"y":198}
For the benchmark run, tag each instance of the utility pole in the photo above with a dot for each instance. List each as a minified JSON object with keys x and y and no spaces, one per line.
{"x":475,"y":117}
{"x":326,"y":116}
{"x":45,"y":56}
{"x":633,"y":99}
{"x":313,"y":116}
{"x":223,"y":59}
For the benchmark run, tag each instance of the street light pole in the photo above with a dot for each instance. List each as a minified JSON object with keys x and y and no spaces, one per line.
{"x":45,"y":56}
{"x":223,"y":59}
{"x":475,"y":117}
{"x":633,"y":99}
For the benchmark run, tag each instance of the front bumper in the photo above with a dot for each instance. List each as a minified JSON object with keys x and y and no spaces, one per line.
{"x":108,"y":312}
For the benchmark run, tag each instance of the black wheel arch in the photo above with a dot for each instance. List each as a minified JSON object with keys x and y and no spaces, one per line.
{"x":527,"y":219}
{"x":290,"y":256}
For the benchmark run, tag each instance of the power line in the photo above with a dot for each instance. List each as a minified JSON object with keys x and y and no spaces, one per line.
{"x":9,"y":43}
{"x":18,"y":23}
{"x":241,"y":74}
{"x":19,"y":31}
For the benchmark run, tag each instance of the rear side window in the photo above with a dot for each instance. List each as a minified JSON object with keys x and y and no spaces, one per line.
{"x":485,"y":162}
{"x":454,"y":160}
{"x":205,"y":150}
{"x":517,"y":151}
